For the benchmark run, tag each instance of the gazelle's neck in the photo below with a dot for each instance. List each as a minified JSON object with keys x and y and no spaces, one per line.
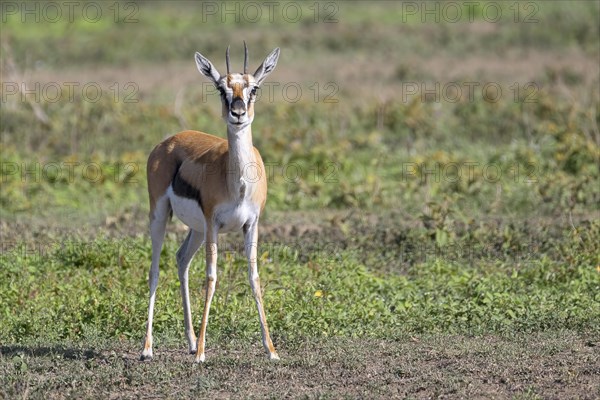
{"x":241,"y":168}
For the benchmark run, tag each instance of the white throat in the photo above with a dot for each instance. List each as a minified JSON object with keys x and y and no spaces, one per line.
{"x":242,"y":168}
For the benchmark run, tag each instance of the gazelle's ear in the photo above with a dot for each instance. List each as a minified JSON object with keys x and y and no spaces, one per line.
{"x":267,"y":66}
{"x":206,"y":68}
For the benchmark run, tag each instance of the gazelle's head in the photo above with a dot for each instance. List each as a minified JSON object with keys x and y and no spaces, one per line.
{"x":238,"y":91}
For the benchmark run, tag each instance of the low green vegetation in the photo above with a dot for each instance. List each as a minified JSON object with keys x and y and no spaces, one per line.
{"x":324,"y":292}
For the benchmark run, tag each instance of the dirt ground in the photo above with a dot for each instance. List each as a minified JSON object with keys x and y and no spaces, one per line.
{"x":550,"y":365}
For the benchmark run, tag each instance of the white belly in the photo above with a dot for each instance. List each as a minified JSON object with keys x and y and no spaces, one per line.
{"x":229,"y":217}
{"x":187,"y":210}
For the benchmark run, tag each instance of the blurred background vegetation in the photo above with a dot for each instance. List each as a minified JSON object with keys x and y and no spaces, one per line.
{"x":347,"y":107}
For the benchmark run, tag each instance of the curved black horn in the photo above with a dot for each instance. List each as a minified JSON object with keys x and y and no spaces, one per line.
{"x":227,"y":59}
{"x":245,"y":58}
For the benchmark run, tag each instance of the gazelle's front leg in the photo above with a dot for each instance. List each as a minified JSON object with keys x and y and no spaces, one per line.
{"x":211,"y":281}
{"x":251,"y":243}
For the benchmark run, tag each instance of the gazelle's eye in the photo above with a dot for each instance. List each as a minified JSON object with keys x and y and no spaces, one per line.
{"x":253,"y":91}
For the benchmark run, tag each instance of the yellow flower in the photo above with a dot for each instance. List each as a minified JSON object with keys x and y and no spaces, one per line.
{"x":319,"y":293}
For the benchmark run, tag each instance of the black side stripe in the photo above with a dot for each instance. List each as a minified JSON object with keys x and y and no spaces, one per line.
{"x":182,"y":188}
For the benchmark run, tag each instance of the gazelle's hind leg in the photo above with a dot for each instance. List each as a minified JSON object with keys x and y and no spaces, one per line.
{"x":158,"y":223}
{"x":186,"y":252}
{"x":211,"y":281}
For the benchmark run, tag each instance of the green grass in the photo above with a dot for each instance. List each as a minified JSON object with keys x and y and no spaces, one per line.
{"x":321,"y":293}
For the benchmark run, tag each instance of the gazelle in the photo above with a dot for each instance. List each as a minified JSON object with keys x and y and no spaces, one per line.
{"x":212,"y":185}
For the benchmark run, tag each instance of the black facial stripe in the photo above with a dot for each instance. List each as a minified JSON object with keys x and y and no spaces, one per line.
{"x":224,"y":96}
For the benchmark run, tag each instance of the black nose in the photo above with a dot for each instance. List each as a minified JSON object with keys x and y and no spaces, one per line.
{"x":238,"y":108}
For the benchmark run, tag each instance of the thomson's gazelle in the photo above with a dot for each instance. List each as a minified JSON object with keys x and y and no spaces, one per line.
{"x":213,"y":185}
